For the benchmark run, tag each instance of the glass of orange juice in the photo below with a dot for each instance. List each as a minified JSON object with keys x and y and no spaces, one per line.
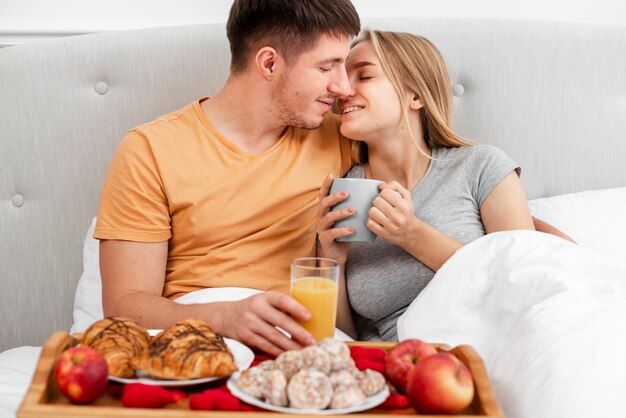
{"x":314,"y":283}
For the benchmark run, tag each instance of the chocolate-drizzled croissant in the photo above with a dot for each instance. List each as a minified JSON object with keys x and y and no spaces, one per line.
{"x":189,"y":349}
{"x":121,"y":341}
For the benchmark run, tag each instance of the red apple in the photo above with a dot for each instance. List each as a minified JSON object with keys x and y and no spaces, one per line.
{"x":440,"y":384}
{"x":401,"y":358}
{"x":81,"y":374}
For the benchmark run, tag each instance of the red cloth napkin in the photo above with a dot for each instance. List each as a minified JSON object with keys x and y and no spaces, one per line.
{"x":368,"y":358}
{"x":373,"y":354}
{"x":139,"y":395}
{"x":219,"y":399}
{"x":395,"y":401}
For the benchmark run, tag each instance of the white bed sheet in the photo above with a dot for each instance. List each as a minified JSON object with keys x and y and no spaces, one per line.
{"x":548,"y":318}
{"x":16,"y":371}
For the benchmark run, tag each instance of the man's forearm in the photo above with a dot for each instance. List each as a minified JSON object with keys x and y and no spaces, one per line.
{"x":156,"y":312}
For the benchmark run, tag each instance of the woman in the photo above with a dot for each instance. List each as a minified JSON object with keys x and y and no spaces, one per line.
{"x":441,"y":190}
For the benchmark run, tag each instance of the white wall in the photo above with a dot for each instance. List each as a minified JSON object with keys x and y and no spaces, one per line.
{"x":28,"y":20}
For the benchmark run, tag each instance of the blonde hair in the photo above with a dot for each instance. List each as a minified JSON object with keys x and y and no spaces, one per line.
{"x":412,"y":62}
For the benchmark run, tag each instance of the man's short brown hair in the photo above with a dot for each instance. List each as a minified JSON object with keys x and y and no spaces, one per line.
{"x":289,"y":26}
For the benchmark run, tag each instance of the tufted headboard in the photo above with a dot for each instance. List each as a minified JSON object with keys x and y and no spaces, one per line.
{"x":552,"y":95}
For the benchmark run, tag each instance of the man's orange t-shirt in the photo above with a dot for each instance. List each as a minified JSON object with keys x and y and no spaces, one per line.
{"x":232,"y":218}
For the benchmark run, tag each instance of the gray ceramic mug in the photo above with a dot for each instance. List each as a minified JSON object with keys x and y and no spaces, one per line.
{"x":361,"y":195}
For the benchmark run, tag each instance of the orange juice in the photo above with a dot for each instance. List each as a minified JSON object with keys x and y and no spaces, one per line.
{"x":319,"y":296}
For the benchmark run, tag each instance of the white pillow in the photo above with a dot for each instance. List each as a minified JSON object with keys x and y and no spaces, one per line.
{"x":594,"y":219}
{"x":88,"y":298}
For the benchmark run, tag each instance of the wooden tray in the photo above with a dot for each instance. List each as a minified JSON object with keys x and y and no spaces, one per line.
{"x":43,"y":399}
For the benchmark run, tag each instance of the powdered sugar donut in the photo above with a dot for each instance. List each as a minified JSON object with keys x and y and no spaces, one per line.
{"x":267,"y":365}
{"x":342,"y":379}
{"x":339,"y":353}
{"x":289,"y":362}
{"x":275,"y":390}
{"x":252,"y":381}
{"x":314,"y":357}
{"x":309,"y":389}
{"x":371,"y":382}
{"x":351,"y":367}
{"x":347,"y":397}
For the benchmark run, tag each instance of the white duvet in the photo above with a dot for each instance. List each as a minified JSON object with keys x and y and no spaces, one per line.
{"x":548,"y":318}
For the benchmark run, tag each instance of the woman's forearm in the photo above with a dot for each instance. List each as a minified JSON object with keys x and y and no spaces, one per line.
{"x":430,"y":246}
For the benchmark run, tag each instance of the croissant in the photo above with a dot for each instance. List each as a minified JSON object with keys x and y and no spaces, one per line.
{"x":121,"y":341}
{"x":189,"y":349}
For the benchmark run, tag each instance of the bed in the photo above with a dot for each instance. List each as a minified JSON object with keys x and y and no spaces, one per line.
{"x":552,"y":95}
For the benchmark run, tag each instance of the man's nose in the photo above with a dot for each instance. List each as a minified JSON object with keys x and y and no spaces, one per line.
{"x":341,"y":85}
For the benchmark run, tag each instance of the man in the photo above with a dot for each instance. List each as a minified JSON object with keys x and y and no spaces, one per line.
{"x":224,"y":192}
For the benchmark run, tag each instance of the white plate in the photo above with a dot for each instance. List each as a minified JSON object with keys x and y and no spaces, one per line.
{"x":243,"y":358}
{"x":369,"y":403}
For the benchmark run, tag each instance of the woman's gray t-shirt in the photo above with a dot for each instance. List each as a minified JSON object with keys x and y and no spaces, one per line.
{"x":383,"y":279}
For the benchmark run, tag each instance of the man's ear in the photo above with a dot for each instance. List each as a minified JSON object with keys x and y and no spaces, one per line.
{"x":267,"y":61}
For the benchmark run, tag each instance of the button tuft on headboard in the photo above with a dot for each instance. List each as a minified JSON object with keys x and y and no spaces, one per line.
{"x":17,"y":200}
{"x":102,"y":87}
{"x":458,"y":90}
